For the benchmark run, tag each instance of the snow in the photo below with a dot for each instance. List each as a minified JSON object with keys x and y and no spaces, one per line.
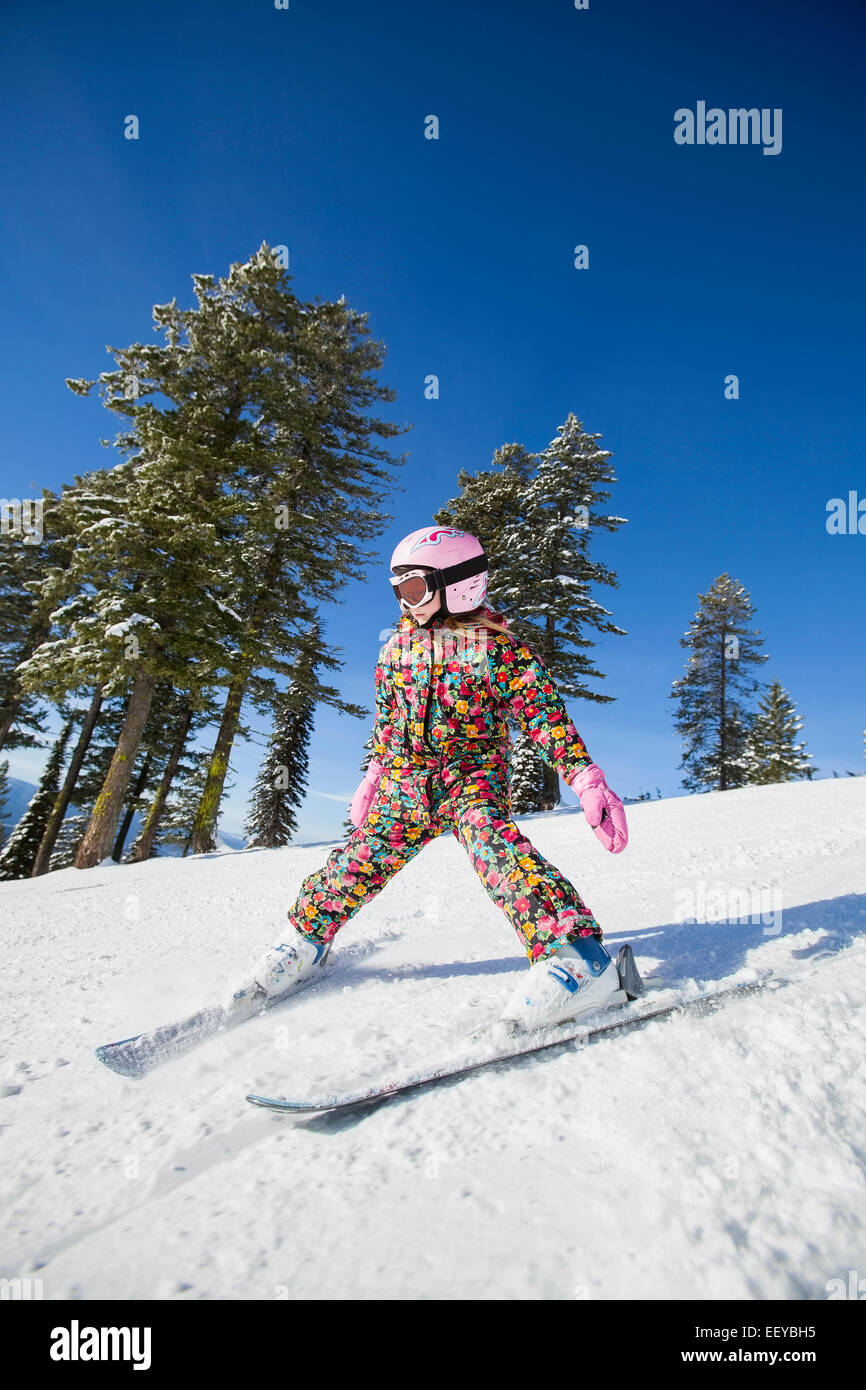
{"x":224,"y":607}
{"x":134,"y":620}
{"x":699,"y":1158}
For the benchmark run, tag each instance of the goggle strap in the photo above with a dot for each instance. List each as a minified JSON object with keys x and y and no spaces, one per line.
{"x":465,"y":570}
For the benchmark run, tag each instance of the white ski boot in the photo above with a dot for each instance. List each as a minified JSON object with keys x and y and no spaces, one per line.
{"x":284,"y":967}
{"x":578,"y":978}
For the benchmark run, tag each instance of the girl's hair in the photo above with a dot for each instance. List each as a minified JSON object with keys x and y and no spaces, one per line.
{"x":479,"y":617}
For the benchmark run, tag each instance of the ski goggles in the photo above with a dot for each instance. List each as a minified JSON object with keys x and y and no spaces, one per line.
{"x":415,"y":587}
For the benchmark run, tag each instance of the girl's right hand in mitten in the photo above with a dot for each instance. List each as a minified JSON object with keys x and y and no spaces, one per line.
{"x":604,"y":812}
{"x":364,"y":795}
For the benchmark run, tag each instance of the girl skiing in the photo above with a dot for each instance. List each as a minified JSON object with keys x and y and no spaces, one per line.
{"x":446,"y":682}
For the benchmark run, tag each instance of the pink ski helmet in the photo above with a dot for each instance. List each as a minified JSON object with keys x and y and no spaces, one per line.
{"x":456,"y":560}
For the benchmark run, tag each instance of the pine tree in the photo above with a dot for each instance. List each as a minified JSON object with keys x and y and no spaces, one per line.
{"x":313,"y":492}
{"x":67,"y":841}
{"x":19,"y":716}
{"x":132,"y":612}
{"x":775,"y":754}
{"x":19,"y":852}
{"x":58,"y":812}
{"x":526,"y":776}
{"x":85,"y":776}
{"x":244,"y":499}
{"x":98,"y":755}
{"x":25,"y":561}
{"x":180,"y":726}
{"x":282,"y":781}
{"x":178,"y":819}
{"x":714,"y":696}
{"x":536,"y":517}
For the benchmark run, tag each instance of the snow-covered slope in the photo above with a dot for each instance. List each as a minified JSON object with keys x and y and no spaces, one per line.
{"x":718,"y":1157}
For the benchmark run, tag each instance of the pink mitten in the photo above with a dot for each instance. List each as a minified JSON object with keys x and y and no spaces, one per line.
{"x":605,"y":813}
{"x":365,"y":793}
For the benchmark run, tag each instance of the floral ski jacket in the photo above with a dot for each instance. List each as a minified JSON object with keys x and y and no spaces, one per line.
{"x":443,"y":700}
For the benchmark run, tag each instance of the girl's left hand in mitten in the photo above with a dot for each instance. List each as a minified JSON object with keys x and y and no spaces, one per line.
{"x":605,"y":813}
{"x":363,"y":797}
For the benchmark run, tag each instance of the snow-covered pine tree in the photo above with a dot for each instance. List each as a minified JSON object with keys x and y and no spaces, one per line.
{"x":253,"y":489}
{"x":98,"y":755}
{"x":24,"y":617}
{"x":67,"y":841}
{"x":526,"y":776}
{"x":55,"y":821}
{"x":775,"y":753}
{"x":132,"y":607}
{"x":490,"y":506}
{"x":714,"y":713}
{"x":19,"y":852}
{"x":176,"y":827}
{"x":93,"y":755}
{"x":543,"y":515}
{"x":282,"y":781}
{"x":313,"y":476}
{"x":20,"y":719}
{"x":58,"y":667}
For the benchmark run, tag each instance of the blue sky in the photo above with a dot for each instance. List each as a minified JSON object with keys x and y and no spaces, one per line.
{"x":305,"y":127}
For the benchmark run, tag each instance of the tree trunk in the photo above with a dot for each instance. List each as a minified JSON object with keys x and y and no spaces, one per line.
{"x":55,"y":820}
{"x":140,"y":784}
{"x":7,"y":719}
{"x":154,"y":815}
{"x":204,"y":827}
{"x":550,"y":793}
{"x":106,"y":812}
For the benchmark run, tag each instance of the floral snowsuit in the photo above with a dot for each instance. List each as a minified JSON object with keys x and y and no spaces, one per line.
{"x":443,"y":698}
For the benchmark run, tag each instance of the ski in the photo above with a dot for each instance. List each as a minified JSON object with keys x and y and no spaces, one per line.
{"x":579,"y":1033}
{"x":134,"y":1057}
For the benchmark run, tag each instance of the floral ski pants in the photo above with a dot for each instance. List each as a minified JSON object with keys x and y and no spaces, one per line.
{"x":408,"y":811}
